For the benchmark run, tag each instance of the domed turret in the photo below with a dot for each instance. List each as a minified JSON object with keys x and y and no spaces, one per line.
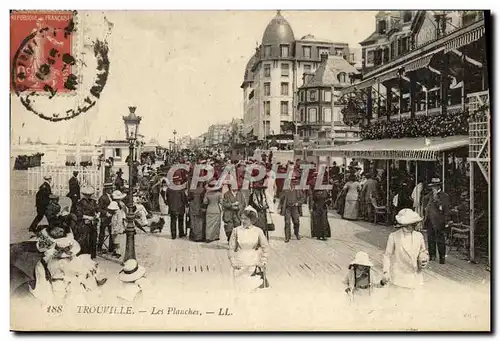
{"x":278,"y":32}
{"x":248,"y":70}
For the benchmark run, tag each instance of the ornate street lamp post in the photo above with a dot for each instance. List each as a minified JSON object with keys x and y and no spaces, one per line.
{"x":132,"y":122}
{"x":175,"y":142}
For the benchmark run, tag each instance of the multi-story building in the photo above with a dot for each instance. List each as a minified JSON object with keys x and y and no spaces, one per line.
{"x":273,"y":75}
{"x":217,"y":134}
{"x":424,"y":106}
{"x":317,"y":119}
{"x":410,"y":67}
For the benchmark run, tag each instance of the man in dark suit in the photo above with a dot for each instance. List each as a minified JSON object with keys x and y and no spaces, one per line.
{"x":74,"y":191}
{"x":105,"y":217}
{"x":436,"y":206}
{"x":42,"y":201}
{"x":233,"y":204}
{"x":177,"y":202}
{"x":290,"y":205}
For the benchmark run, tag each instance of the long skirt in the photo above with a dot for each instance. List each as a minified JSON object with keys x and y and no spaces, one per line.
{"x":244,"y":282}
{"x":196,"y":233}
{"x":351,"y":209}
{"x":213,"y":221}
{"x":320,"y":227}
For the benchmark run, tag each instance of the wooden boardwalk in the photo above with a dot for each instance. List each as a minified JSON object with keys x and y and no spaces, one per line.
{"x":308,"y":262}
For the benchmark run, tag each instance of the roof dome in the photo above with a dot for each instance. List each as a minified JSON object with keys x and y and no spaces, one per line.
{"x":278,"y":31}
{"x":248,"y":69}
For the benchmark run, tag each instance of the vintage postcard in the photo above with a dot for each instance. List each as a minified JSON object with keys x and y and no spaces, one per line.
{"x":250,"y":170}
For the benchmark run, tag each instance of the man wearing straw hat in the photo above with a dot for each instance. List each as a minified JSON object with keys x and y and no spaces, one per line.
{"x":42,"y":201}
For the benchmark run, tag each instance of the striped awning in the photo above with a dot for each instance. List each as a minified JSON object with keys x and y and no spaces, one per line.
{"x":410,"y":148}
{"x":464,"y":39}
{"x":358,"y":86}
{"x":389,"y":75}
{"x":418,"y":64}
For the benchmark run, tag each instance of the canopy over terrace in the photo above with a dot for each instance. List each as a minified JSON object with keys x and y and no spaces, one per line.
{"x":411,"y":148}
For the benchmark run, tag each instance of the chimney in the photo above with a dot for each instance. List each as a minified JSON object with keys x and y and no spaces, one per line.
{"x":324,"y":58}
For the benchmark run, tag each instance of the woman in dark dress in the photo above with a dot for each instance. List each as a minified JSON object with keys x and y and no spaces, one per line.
{"x":320,"y":227}
{"x":196,"y":214}
{"x":259,"y":202}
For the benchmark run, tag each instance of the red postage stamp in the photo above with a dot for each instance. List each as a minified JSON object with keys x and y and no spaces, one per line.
{"x":41,"y":51}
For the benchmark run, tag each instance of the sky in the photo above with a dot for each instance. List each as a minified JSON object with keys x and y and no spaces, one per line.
{"x":181,"y":69}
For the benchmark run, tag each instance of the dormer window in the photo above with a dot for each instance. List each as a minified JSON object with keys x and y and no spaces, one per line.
{"x":382,"y":26}
{"x":267,"y":51}
{"x":307,"y":51}
{"x":406,"y":16}
{"x":342,"y":77}
{"x":285,"y":51}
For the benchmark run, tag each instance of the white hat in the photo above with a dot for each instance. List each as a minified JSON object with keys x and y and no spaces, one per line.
{"x":117,"y":195}
{"x":251,"y":209}
{"x":362,"y":258}
{"x":131,"y":271}
{"x":113,"y":206}
{"x":47,"y":177}
{"x":407,"y":217}
{"x":88,"y":190}
{"x":66,"y":247}
{"x":435,"y":182}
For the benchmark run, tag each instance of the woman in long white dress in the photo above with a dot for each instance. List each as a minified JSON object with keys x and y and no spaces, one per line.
{"x":248,"y":249}
{"x":404,"y":258}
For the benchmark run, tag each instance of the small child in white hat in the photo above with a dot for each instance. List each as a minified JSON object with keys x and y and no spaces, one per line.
{"x":360,"y":279}
{"x":134,"y":282}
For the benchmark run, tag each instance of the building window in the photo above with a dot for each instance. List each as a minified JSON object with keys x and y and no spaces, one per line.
{"x":307,"y":51}
{"x":267,"y":89}
{"x":327,"y":96}
{"x":342,"y":77}
{"x":327,"y":115}
{"x":322,"y":51}
{"x":378,"y":57}
{"x":312,"y":115}
{"x":267,"y":70}
{"x":285,"y":71}
{"x":284,"y":107}
{"x":386,"y":55}
{"x":118,"y":153}
{"x":469,"y":17}
{"x":307,"y":68}
{"x":393,"y":50}
{"x":302,"y":115}
{"x":382,"y":26}
{"x":370,"y":57}
{"x":302,"y":96}
{"x":284,"y":89}
{"x":285,"y":51}
{"x":403,"y":45}
{"x":251,"y":95}
{"x":267,"y":108}
{"x":406,"y":16}
{"x":267,"y":51}
{"x":312,"y":96}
